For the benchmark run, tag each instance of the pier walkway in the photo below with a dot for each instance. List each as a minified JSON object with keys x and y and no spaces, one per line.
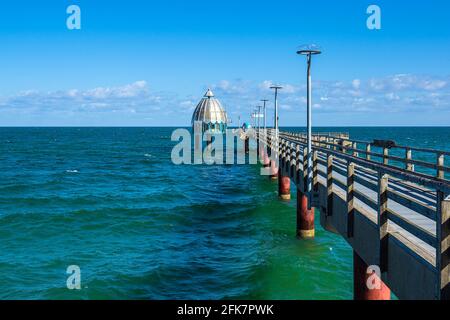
{"x":394,"y":211}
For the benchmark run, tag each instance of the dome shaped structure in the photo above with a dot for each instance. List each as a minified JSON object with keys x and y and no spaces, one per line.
{"x":211,"y":114}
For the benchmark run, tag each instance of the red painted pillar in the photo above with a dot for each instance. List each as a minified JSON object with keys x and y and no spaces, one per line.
{"x":284,"y":186}
{"x":273,"y":170}
{"x":305,"y":217}
{"x":361,"y":289}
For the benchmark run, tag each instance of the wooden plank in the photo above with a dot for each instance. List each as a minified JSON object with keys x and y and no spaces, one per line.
{"x":369,"y":184}
{"x":366,"y":199}
{"x":350,"y":195}
{"x":330,"y":185}
{"x":413,"y":204}
{"x":414,"y":230}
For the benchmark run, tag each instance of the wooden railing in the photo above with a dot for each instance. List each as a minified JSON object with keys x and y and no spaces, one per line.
{"x":394,"y":193}
{"x":347,"y":145}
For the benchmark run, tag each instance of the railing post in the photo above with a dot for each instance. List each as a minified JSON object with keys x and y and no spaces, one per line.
{"x":385,"y":156}
{"x":368,"y":151}
{"x":443,"y":246}
{"x":408,"y":165}
{"x":440,"y":163}
{"x":329,"y":185}
{"x":315,"y":185}
{"x":350,"y":197}
{"x":354,"y":147}
{"x":383,"y":224}
{"x":257,"y":144}
{"x":297,"y":165}
{"x":305,"y":169}
{"x":293,"y":165}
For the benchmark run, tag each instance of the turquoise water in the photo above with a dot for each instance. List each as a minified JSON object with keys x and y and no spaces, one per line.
{"x":110,"y":201}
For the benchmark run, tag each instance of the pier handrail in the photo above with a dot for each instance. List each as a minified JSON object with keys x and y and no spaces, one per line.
{"x":350,"y":145}
{"x":396,"y":146}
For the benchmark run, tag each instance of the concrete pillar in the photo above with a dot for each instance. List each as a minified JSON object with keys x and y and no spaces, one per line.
{"x":284,"y":186}
{"x":361,"y":289}
{"x":305,"y":217}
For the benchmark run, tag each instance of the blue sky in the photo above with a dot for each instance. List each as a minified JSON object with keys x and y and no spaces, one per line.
{"x":147,"y":63}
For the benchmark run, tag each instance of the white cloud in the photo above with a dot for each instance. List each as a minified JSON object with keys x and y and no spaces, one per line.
{"x":395,"y":93}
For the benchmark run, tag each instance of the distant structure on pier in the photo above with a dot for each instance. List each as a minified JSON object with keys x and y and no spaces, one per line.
{"x":210,"y":114}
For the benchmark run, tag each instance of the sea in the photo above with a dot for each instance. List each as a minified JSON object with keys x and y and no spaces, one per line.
{"x":110,"y":204}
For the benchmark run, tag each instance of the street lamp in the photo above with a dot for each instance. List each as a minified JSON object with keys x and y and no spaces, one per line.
{"x":275,"y":120}
{"x":309,"y":51}
{"x":276,"y":88}
{"x":259,"y":117}
{"x":264,"y":108}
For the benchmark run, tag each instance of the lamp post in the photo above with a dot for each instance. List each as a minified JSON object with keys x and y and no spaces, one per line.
{"x":309,"y":52}
{"x":264,"y":111}
{"x":276,"y":88}
{"x":259,"y":117}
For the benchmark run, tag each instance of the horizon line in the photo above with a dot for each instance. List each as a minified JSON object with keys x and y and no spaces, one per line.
{"x":166,"y":126}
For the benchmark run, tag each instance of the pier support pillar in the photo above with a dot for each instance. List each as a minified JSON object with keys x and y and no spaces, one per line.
{"x":284,"y":186}
{"x":262,"y":153}
{"x":361,"y":290}
{"x":247,"y":145}
{"x":258,"y":150}
{"x":305,"y":217}
{"x":266,"y":160}
{"x":273,"y":170}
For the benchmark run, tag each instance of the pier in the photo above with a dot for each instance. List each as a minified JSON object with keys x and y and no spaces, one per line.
{"x":394,"y":215}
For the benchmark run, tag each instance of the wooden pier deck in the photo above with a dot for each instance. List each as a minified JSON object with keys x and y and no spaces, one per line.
{"x":391,"y":215}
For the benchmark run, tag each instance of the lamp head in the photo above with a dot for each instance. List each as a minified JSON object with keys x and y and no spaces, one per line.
{"x":309,"y":49}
